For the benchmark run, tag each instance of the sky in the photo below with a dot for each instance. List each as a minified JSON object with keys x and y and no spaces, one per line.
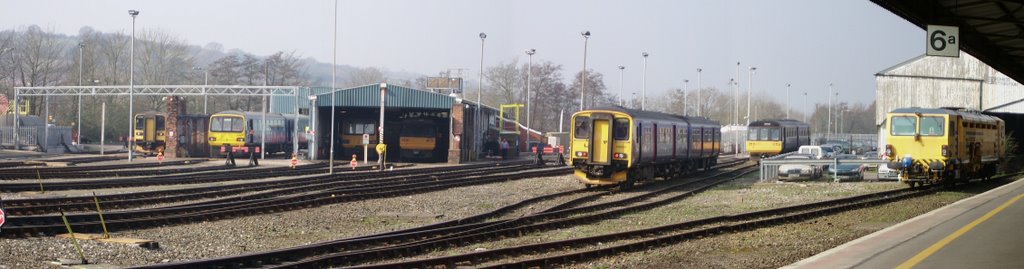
{"x":805,"y":43}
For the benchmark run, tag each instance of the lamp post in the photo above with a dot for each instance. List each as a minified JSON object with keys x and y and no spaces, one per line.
{"x":643,"y":90}
{"x":529,"y":76}
{"x":622,"y":95}
{"x":206,"y":81}
{"x":828,"y":127}
{"x":131,"y":88}
{"x":583,"y":80}
{"x":736,"y":96}
{"x":81,"y":47}
{"x":334,"y":83}
{"x":686,"y":83}
{"x":479,"y":104}
{"x":699,"y":85}
{"x":787,"y":100}
{"x":750,"y":85}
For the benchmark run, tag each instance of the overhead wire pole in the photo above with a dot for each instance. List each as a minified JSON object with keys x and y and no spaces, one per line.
{"x":529,"y":76}
{"x":478,"y":144}
{"x":334,"y":81}
{"x":583,"y":79}
{"x":263,"y":124}
{"x":643,"y":90}
{"x":81,"y":47}
{"x":787,"y":100}
{"x":622,"y":94}
{"x":131,"y":88}
{"x":699,"y":85}
{"x":750,"y":82}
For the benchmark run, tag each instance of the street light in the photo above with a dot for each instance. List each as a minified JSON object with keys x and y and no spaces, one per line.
{"x":334,"y":83}
{"x":787,"y":100}
{"x":699,"y":85}
{"x":131,"y":87}
{"x":479,"y":104}
{"x":686,"y":83}
{"x":812,"y":111}
{"x":622,"y":95}
{"x":583,"y":80}
{"x":736,"y":96}
{"x":81,"y":47}
{"x":643,"y":91}
{"x":750,"y":85}
{"x":206,"y":81}
{"x":529,"y":76}
{"x":828,"y":127}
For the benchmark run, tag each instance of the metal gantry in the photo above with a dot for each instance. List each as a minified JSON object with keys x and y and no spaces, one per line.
{"x":159,"y":90}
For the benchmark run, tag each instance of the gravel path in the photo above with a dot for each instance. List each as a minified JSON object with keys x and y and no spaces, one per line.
{"x":280,"y":230}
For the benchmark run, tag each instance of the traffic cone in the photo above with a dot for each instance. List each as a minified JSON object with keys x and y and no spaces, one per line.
{"x":353,"y":163}
{"x":160,"y":156}
{"x":294,"y":161}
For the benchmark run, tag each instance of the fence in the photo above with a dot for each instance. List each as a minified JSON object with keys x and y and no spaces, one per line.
{"x":31,"y":137}
{"x":770,"y":167}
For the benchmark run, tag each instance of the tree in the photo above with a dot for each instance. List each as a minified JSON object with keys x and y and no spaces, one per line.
{"x":366,"y":76}
{"x":507,"y":84}
{"x":595,"y":94}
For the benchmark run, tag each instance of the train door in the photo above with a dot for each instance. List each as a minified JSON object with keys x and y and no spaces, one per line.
{"x":601,"y":138}
{"x":149,"y":134}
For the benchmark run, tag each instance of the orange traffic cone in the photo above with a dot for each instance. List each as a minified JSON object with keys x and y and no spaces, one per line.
{"x":353,"y":163}
{"x":294,"y":161}
{"x":160,"y":156}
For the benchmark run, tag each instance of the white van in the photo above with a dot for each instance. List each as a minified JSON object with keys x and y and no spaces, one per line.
{"x":816,"y":151}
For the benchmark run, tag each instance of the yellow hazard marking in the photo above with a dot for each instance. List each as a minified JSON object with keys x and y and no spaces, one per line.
{"x":949,"y":238}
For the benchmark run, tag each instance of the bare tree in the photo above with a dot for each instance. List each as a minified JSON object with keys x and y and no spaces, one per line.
{"x":595,"y":94}
{"x":505,"y":81}
{"x":366,"y":76}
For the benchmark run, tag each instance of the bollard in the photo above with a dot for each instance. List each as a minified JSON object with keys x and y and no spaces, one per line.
{"x":73,"y":239}
{"x":103,"y":223}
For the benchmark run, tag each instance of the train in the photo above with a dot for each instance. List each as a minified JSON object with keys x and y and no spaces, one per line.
{"x":418,"y":139}
{"x":616,"y":145}
{"x":149,"y":132}
{"x":767,"y":138}
{"x":943,"y":145}
{"x":244,"y":129}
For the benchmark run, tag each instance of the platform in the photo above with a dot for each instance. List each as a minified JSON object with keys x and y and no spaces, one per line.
{"x":983,"y":231}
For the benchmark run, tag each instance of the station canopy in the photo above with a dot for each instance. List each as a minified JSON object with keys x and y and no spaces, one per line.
{"x":397,"y":96}
{"x":991,"y":30}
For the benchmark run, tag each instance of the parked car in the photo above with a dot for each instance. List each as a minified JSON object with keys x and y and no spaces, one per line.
{"x":814,"y":151}
{"x":884,"y":173}
{"x":850,"y":171}
{"x":799,"y":171}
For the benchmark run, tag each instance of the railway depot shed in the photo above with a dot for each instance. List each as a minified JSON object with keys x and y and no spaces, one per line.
{"x":965,"y":81}
{"x":407,"y":111}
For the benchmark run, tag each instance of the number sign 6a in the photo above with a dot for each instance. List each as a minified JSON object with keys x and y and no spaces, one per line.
{"x":943,"y":41}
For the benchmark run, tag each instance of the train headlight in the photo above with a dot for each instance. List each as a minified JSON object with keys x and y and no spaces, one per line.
{"x":581,"y":154}
{"x":213,"y":139}
{"x":240,"y":139}
{"x":619,"y":155}
{"x":888,"y":151}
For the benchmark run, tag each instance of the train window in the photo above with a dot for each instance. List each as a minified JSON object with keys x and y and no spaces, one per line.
{"x":620,"y":129}
{"x":752,"y":134}
{"x":159,"y":123}
{"x":776,"y":135}
{"x":236,"y":124}
{"x":903,"y":125}
{"x":140,"y":122}
{"x":763,"y":134}
{"x":582,"y":128}
{"x":932,"y":126}
{"x":215,"y":124}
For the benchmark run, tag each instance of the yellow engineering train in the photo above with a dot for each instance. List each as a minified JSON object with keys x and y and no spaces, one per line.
{"x":773,"y":137}
{"x":931,"y":145}
{"x":352,"y":137}
{"x":618,"y":145}
{"x":244,"y":129}
{"x":149,"y":132}
{"x":418,"y":138}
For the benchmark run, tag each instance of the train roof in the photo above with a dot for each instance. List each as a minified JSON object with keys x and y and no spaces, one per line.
{"x":777,"y":122}
{"x":150,"y":113}
{"x":969,"y":115}
{"x":247,"y":113}
{"x":645,"y":114}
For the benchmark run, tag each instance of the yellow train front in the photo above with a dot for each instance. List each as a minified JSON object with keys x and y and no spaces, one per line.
{"x":931,"y":145}
{"x":245,"y":129}
{"x":149,"y":132}
{"x":352,"y":137}
{"x":617,"y":145}
{"x":767,"y":138}
{"x":418,"y":139}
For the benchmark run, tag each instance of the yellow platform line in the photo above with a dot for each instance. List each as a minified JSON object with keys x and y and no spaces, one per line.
{"x":949,"y":238}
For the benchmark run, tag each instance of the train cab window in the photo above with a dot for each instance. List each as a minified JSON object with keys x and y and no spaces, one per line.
{"x":159,"y":123}
{"x":932,"y":126}
{"x":752,"y":134}
{"x":582,"y":127}
{"x":903,"y":125}
{"x":620,"y":129}
{"x":776,"y":135}
{"x":140,"y":122}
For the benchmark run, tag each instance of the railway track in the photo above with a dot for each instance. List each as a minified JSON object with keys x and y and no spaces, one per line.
{"x":276,"y":201}
{"x":215,"y":174}
{"x":442,"y":235}
{"x":112,"y":170}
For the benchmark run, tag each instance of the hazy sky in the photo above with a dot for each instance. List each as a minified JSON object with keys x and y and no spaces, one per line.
{"x":806,"y":43}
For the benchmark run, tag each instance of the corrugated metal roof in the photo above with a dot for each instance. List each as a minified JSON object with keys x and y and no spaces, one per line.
{"x":397,"y":96}
{"x":286,"y":104}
